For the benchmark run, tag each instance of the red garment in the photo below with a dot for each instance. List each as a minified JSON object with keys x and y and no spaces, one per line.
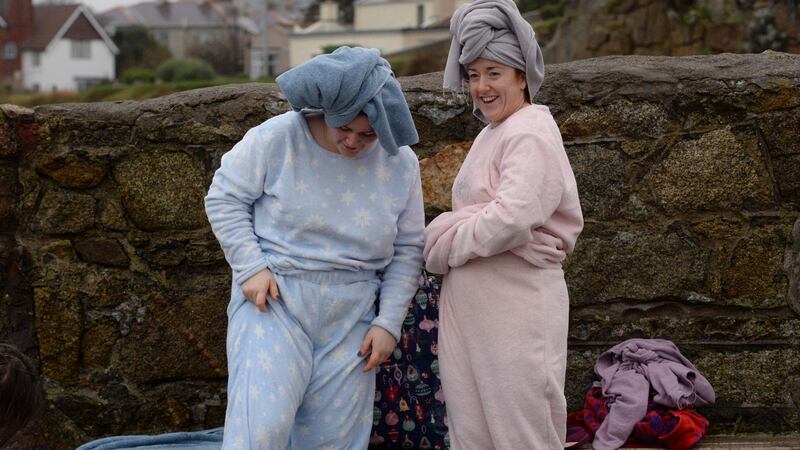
{"x":660,"y":427}
{"x":690,"y":428}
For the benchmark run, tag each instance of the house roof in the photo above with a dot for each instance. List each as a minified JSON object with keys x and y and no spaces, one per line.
{"x":47,"y":22}
{"x":51,"y":22}
{"x":324,"y":27}
{"x":164,"y":14}
{"x":281,"y":19}
{"x":247,"y":24}
{"x":82,"y":29}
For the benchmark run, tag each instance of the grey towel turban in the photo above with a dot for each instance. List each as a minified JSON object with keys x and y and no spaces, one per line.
{"x":347,"y":82}
{"x":494,"y":30}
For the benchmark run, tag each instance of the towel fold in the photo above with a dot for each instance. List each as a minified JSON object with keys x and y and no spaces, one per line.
{"x":494,"y":30}
{"x":350,"y":81}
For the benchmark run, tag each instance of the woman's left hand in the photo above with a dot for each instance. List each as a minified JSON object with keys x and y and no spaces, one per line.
{"x":377,"y":346}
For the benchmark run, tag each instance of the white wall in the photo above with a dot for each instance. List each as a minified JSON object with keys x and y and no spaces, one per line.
{"x":392,"y":15}
{"x":303,"y":47}
{"x":57,"y":70}
{"x":390,"y":26}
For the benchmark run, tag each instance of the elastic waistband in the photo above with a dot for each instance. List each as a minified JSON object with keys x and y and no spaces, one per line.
{"x":330,"y":276}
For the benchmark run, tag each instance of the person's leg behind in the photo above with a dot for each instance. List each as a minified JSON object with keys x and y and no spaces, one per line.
{"x":516,"y":316}
{"x":524,"y":377}
{"x":466,"y":420}
{"x":338,"y":406}
{"x":269,"y":367}
{"x":556,"y":308}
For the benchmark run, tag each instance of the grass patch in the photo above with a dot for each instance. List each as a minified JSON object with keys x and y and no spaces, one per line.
{"x":694,"y":15}
{"x":612,"y":6}
{"x":400,"y":65}
{"x":117,"y":92}
{"x":547,"y":26}
{"x":552,"y":10}
{"x":31,"y":100}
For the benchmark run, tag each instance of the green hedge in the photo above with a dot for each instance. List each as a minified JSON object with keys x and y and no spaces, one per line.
{"x":186,"y":69}
{"x":138,"y":75}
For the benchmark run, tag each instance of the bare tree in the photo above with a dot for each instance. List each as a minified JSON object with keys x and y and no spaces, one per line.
{"x":225,"y":52}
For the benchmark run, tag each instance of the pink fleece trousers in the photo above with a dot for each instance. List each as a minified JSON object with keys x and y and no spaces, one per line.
{"x":502,"y":354}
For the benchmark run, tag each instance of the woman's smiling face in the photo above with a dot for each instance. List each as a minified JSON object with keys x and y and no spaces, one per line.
{"x":498,"y":90}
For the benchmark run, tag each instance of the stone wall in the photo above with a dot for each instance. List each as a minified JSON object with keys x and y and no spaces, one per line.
{"x":688,"y":168}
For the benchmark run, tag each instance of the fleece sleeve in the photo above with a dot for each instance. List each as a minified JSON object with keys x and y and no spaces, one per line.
{"x":529,"y":192}
{"x":229,"y":204}
{"x":439,"y":236}
{"x":401,"y":276}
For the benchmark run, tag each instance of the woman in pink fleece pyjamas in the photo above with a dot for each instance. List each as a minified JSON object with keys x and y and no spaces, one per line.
{"x":516,"y":216}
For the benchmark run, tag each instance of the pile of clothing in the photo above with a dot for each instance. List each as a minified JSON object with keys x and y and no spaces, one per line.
{"x":645,"y":396}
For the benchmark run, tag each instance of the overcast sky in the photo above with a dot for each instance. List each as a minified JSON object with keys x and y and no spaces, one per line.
{"x":97,"y":6}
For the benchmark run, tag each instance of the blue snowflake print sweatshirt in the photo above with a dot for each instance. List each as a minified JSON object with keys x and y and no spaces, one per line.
{"x":282,"y":202}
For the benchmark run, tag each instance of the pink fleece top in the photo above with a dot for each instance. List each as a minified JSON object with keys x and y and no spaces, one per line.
{"x":514,"y":192}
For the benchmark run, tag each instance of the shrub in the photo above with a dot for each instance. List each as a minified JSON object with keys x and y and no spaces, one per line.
{"x":552,"y":10}
{"x":332,"y":47}
{"x":400,"y":65}
{"x":177,"y":69}
{"x":532,"y":5}
{"x":138,"y":75}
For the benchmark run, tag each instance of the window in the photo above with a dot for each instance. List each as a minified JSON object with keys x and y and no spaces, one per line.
{"x":84,"y":83}
{"x":272,"y":63}
{"x":161,"y":37}
{"x":81,"y":49}
{"x":36,"y":59}
{"x":10,"y":50}
{"x":420,"y":15}
{"x":257,"y":66}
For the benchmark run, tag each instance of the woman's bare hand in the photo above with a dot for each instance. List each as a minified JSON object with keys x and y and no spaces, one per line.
{"x":258,"y":287}
{"x":377,"y":346}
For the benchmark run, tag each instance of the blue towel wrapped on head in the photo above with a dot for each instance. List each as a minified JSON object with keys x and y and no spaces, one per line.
{"x":350,"y":81}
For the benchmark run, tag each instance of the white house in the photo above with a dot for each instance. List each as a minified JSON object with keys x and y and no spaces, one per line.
{"x":267,"y":54}
{"x":390,"y":25}
{"x":67,"y":51}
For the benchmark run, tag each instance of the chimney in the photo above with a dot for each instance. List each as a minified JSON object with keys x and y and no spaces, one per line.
{"x":444,"y":9}
{"x":328,"y":11}
{"x":18,"y":15}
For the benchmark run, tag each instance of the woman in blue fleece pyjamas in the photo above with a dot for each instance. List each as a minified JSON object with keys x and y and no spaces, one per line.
{"x":317,"y":210}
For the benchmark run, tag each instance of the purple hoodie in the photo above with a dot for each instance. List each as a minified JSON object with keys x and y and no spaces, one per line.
{"x":629,"y":369}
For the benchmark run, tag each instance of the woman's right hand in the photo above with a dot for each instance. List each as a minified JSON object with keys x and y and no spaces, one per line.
{"x":257,"y":287}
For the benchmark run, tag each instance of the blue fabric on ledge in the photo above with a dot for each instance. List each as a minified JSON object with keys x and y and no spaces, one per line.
{"x":195,"y":440}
